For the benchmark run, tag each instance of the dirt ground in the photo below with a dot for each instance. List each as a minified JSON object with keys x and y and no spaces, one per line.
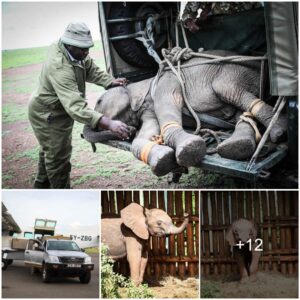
{"x":108,"y":168}
{"x":267,"y":285}
{"x":171,"y":287}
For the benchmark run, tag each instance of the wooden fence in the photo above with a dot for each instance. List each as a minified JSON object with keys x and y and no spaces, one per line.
{"x":176,"y":255}
{"x":276,"y":214}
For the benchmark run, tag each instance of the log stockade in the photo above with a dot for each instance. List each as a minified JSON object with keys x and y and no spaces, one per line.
{"x":275,"y":213}
{"x":175,"y":255}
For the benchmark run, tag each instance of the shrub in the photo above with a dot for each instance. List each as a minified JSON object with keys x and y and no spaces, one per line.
{"x":111,"y":281}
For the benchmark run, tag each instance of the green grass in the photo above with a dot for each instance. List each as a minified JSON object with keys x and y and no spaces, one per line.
{"x":22,"y":57}
{"x":12,"y":113}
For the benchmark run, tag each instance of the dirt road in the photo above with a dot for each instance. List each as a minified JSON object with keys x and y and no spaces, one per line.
{"x":17,"y":282}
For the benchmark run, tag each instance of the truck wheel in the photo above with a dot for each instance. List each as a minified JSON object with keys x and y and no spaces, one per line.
{"x":46,"y":274}
{"x":4,"y":264}
{"x":86,"y":277}
{"x":131,"y":50}
{"x":10,"y":261}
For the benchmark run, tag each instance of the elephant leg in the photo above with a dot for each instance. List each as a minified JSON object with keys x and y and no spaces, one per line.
{"x":168,"y":104}
{"x":241,"y":266}
{"x":242,"y":143}
{"x":160,"y":158}
{"x":144,"y":260}
{"x":254,"y":262}
{"x":236,"y":95}
{"x":134,"y":257}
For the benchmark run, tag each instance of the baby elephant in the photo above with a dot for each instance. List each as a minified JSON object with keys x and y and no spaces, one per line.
{"x":128,"y":235}
{"x":246,"y":255}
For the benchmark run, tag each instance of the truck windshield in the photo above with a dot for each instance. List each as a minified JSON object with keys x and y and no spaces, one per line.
{"x":62,"y":245}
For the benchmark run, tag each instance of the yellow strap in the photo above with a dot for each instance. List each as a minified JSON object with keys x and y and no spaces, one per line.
{"x":146,"y":150}
{"x":255,"y":106}
{"x":247,"y":117}
{"x":167,"y":126}
{"x":157,"y":140}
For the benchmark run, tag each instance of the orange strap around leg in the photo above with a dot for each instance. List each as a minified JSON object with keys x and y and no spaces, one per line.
{"x":169,"y":125}
{"x":146,"y":150}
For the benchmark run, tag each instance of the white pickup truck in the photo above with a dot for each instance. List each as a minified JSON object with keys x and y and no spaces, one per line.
{"x":58,"y":257}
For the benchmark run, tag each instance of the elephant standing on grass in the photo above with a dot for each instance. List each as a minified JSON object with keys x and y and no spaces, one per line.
{"x":242,"y":231}
{"x":129,"y":235}
{"x":223,"y":90}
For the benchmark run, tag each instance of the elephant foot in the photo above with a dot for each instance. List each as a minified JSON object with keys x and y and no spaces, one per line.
{"x":244,"y":279}
{"x":191,"y":151}
{"x":162,"y":160}
{"x":278,"y":132}
{"x":189,"y":148}
{"x":241,"y":145}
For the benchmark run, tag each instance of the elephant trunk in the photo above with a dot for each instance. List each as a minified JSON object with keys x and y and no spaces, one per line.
{"x":93,"y":136}
{"x":176,"y":230}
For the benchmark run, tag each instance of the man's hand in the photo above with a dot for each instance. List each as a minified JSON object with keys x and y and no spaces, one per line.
{"x":119,"y":82}
{"x":191,"y":25}
{"x":118,"y":127}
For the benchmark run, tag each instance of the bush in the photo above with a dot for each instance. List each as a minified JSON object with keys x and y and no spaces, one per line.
{"x":110,"y":281}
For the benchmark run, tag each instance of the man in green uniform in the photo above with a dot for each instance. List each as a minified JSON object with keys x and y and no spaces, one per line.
{"x":190,"y":13}
{"x":60,"y":99}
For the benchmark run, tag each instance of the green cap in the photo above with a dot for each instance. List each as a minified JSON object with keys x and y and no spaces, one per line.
{"x":78,"y":34}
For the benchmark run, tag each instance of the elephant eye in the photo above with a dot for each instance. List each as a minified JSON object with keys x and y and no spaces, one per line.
{"x":159,"y":222}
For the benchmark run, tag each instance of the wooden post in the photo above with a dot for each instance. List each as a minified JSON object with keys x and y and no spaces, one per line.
{"x":189,"y":233}
{"x":170,"y":210}
{"x":280,"y":199}
{"x":205,"y":218}
{"x":229,"y":266}
{"x":266,"y":219}
{"x":162,"y":240}
{"x":197,"y":229}
{"x":104,"y":202}
{"x":180,"y":237}
{"x":221,"y":232}
{"x":275,"y":228}
{"x":215,"y":235}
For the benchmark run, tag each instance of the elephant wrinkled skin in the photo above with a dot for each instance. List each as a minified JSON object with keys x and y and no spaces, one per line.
{"x":223,"y":90}
{"x":129,"y":235}
{"x":242,"y":230}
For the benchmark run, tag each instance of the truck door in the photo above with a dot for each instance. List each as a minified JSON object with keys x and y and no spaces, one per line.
{"x":34,"y":254}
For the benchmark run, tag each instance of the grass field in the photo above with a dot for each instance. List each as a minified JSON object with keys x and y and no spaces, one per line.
{"x":107,"y":168}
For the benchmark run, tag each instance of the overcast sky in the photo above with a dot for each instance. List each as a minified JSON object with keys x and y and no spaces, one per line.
{"x":68,"y":208}
{"x":35,"y":24}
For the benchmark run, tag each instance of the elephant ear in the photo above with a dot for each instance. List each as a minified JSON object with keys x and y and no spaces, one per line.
{"x":111,"y":108}
{"x":254,"y":229}
{"x":229,"y":236}
{"x":139,"y":93}
{"x":134,"y":217}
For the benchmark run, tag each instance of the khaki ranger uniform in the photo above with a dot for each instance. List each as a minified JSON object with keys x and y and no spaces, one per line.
{"x":216,"y":8}
{"x":57,"y":102}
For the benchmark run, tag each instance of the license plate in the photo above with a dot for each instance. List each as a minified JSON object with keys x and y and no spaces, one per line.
{"x":4,"y":255}
{"x":74,"y":266}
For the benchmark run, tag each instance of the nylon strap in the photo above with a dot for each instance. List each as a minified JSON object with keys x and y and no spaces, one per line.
{"x":255,"y":106}
{"x":248,"y":118}
{"x":146,"y":150}
{"x":168,"y":125}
